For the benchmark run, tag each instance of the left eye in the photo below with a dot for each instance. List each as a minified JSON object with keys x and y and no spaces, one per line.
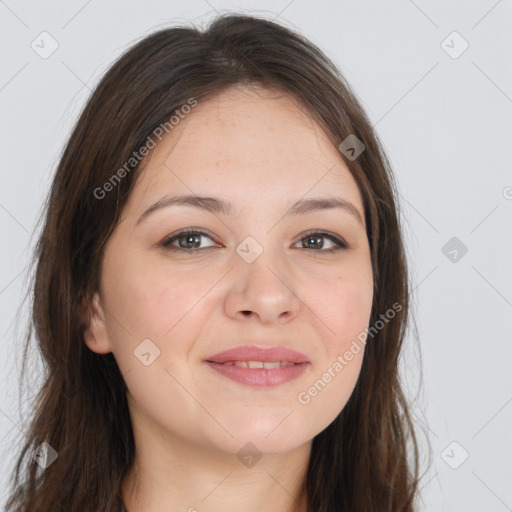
{"x":190,"y":240}
{"x":315,"y":240}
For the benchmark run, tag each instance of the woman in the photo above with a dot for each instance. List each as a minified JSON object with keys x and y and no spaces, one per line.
{"x":221,"y":292}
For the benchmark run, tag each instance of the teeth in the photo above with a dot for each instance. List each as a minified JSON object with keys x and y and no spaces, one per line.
{"x":259,"y":364}
{"x":273,"y":364}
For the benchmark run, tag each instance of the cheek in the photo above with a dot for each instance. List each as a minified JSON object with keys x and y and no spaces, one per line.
{"x":354,"y":306}
{"x":343,"y":303}
{"x":152,"y":303}
{"x":149,"y":300}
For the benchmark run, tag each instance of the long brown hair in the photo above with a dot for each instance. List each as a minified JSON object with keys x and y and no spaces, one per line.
{"x":367,"y":458}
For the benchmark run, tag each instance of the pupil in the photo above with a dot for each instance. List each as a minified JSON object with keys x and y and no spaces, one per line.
{"x":193,"y":240}
{"x":316,"y":241}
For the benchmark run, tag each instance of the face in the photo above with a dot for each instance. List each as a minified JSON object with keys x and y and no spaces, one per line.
{"x":185,"y":282}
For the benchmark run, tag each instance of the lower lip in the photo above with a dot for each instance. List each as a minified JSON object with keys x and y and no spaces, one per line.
{"x":260,"y":377}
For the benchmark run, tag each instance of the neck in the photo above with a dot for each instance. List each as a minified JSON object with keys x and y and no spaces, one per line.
{"x":175,"y":476}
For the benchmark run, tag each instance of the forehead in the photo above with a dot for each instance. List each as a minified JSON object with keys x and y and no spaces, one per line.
{"x":247,"y":142}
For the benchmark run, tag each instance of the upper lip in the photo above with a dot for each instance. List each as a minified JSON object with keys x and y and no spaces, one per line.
{"x":255,"y":353}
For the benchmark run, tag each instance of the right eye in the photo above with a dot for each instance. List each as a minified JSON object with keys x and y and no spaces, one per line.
{"x":186,"y":240}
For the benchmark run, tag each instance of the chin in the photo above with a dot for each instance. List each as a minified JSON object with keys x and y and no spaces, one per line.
{"x":272,"y":440}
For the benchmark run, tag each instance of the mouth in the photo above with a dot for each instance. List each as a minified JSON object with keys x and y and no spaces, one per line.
{"x":259,"y":366}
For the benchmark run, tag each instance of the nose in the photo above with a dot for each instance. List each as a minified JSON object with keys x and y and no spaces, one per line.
{"x":262,"y":291}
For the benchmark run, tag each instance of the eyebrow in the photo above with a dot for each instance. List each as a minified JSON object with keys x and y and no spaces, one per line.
{"x":219,"y":206}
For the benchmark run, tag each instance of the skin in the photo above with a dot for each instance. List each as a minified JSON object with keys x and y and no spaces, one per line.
{"x":257,"y":149}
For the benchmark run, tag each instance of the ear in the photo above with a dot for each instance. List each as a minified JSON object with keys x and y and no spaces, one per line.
{"x":96,"y":333}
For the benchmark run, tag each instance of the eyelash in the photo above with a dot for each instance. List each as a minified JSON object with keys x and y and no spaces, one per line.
{"x":167,"y":243}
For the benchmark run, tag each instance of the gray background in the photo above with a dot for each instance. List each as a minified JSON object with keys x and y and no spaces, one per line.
{"x":446,"y":123}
